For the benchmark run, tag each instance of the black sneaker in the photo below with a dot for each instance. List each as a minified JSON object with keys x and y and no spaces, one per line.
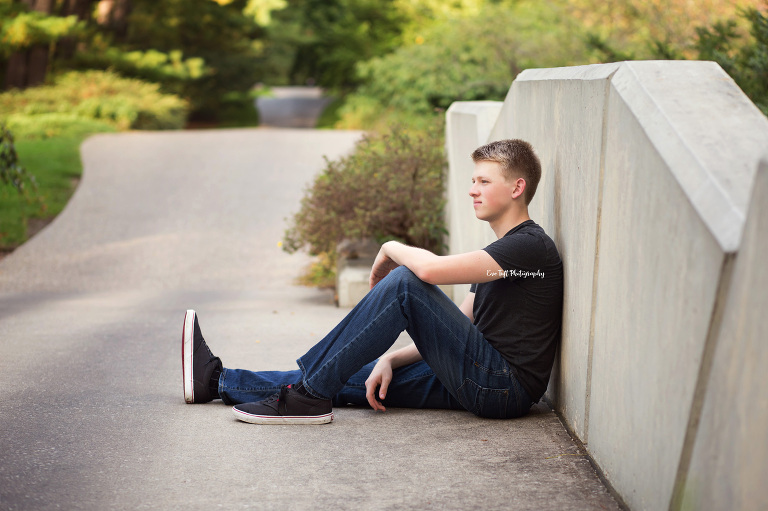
{"x":197,"y":362}
{"x":286,"y":407}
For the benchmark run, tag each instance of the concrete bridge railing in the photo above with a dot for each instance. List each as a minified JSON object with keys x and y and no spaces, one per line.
{"x":654,"y":191}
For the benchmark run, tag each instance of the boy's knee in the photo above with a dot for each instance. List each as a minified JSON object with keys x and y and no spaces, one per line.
{"x":401,"y":279}
{"x":405,"y":275}
{"x":402,"y":272}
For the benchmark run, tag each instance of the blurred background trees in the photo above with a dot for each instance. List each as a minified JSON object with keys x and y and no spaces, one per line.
{"x":399,"y":58}
{"x":71,"y":68}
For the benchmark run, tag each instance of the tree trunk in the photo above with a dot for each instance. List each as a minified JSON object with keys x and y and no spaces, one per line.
{"x":45,"y":6}
{"x":29,"y":67}
{"x":113,"y":14}
{"x":79,"y":8}
{"x":65,"y":48}
{"x":37,"y":65}
{"x":16,"y":71}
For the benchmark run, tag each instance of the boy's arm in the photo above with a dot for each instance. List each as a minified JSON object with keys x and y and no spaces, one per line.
{"x":469,"y":268}
{"x":381,"y":375}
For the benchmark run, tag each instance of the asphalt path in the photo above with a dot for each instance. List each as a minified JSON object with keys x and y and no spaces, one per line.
{"x":291,"y":107}
{"x":92,"y":414}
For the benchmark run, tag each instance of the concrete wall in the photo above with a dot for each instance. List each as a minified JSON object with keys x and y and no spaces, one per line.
{"x":568,"y":133}
{"x":468,"y":126}
{"x":648,"y":168}
{"x":730,"y":445}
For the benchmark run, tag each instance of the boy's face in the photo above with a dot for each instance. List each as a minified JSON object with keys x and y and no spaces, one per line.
{"x":492,"y":195}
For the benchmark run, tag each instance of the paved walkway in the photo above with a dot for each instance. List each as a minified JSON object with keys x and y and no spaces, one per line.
{"x":292,"y":107}
{"x":92,"y":414}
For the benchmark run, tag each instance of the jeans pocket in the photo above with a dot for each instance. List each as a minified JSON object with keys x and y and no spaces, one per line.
{"x":502,"y":371}
{"x":484,"y":402}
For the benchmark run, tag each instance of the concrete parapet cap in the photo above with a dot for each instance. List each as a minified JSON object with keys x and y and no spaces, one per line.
{"x":474,"y":107}
{"x":485,"y":113}
{"x":589,"y":72}
{"x":712,"y":150}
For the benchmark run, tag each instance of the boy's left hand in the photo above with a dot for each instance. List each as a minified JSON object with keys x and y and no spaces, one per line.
{"x":378,"y":380}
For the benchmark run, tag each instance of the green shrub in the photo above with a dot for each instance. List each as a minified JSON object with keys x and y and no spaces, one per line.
{"x":42,"y":126}
{"x":11,"y":172}
{"x":238,"y":109}
{"x":100,"y":95}
{"x":320,"y":273}
{"x":175,"y":74}
{"x":391,"y":187}
{"x":19,"y":193}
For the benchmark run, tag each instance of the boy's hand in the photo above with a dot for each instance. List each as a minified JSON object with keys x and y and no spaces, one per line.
{"x":382,"y":265}
{"x":380,"y":377}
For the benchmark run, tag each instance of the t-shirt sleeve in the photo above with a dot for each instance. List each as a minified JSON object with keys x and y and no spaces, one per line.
{"x":518,"y":252}
{"x":473,"y":288}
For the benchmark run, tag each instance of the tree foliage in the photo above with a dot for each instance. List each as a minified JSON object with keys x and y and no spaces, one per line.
{"x":321,"y":41}
{"x":202,"y":50}
{"x":462,"y":59}
{"x":638,"y":28}
{"x":199,"y":49}
{"x":151,"y":65}
{"x":743,"y":57}
{"x":21,"y":29}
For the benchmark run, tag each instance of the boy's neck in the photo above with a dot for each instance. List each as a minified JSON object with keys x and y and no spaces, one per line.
{"x":503,"y":225}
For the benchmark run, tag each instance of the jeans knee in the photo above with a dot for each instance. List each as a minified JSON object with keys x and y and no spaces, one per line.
{"x":404,"y":280}
{"x":403,"y":274}
{"x":397,"y":277}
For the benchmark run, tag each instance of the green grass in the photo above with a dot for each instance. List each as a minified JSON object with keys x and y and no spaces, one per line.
{"x":56,"y":166}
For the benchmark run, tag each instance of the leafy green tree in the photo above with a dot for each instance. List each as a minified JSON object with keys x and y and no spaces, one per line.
{"x":26,"y":37}
{"x":21,"y":28}
{"x":743,"y":54}
{"x":325,"y":39}
{"x":645,"y":28}
{"x":744,"y":58}
{"x":210,"y":45}
{"x":469,"y":58}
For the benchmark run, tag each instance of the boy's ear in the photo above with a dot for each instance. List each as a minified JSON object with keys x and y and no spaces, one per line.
{"x":519,"y":188}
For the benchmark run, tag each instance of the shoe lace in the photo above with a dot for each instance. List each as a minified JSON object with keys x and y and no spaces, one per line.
{"x":275,"y":398}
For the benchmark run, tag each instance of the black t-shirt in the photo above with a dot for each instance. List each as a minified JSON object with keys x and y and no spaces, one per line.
{"x":520,"y":314}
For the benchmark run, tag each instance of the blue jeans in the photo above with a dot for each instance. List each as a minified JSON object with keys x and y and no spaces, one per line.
{"x":459,"y":370}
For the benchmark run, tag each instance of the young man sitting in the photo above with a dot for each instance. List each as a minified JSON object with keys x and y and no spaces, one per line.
{"x":492,"y":355}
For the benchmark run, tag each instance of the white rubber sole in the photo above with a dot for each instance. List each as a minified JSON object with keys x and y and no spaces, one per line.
{"x":187,"y":347}
{"x":270,"y":419}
